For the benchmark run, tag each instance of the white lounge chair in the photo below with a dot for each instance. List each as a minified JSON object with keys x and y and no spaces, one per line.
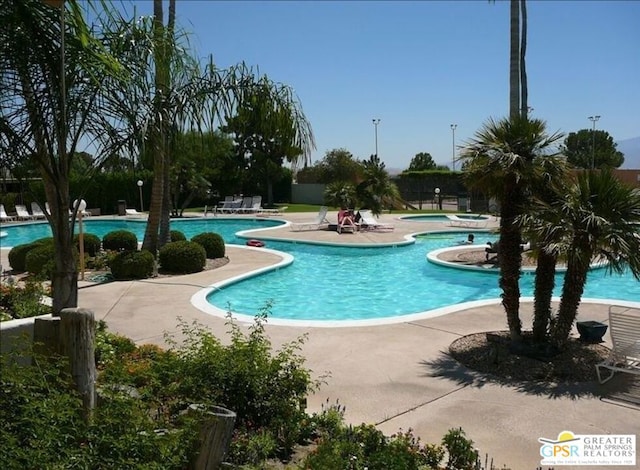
{"x":23,"y":213}
{"x":624,"y":328}
{"x":4,"y":217}
{"x":133,"y":213}
{"x":369,"y":222}
{"x":466,"y":222}
{"x":36,"y":211}
{"x":319,"y":222}
{"x":273,"y":211}
{"x":230,"y":207}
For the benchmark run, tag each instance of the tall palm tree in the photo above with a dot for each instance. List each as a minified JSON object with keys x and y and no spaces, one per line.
{"x":499,"y":162}
{"x":597,"y":219}
{"x":52,"y":70}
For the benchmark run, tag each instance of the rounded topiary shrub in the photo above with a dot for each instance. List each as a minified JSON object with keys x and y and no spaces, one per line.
{"x":212,"y":243}
{"x":182,"y":257}
{"x":90,"y":241}
{"x":120,"y":240}
{"x":40,"y":260}
{"x":177,"y":236}
{"x":17,"y":256}
{"x":132,"y":265}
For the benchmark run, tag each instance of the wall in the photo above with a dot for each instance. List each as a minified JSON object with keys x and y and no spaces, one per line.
{"x":307,"y":193}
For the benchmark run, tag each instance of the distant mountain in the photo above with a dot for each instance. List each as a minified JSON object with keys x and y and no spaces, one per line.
{"x":631,"y":150}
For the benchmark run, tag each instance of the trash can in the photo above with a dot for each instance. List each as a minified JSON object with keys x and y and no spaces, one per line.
{"x":122,"y":207}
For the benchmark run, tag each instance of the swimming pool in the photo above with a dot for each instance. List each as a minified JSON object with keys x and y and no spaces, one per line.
{"x":227,"y":228}
{"x":343,"y":284}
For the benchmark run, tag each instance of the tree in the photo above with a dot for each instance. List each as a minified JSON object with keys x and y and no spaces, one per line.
{"x":50,"y":98}
{"x":269,"y":128}
{"x":336,"y":165}
{"x":592,"y":220}
{"x":589,"y":149}
{"x":500,"y":163}
{"x":376,"y":190}
{"x":422,"y":161}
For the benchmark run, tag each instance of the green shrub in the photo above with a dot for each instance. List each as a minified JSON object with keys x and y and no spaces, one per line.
{"x":182,"y":257}
{"x":120,"y":240}
{"x":110,"y":346}
{"x":17,"y":254}
{"x":212,"y":243}
{"x":128,"y":265}
{"x":22,"y":300}
{"x":90,"y":241}
{"x":177,"y":236}
{"x":462,"y":455}
{"x":40,"y":261}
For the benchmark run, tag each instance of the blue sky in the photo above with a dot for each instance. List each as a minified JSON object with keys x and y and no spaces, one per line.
{"x":420,"y":66}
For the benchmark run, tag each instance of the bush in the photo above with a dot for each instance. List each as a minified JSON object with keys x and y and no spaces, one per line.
{"x":22,"y":301}
{"x":120,"y":240}
{"x":182,"y":257}
{"x":128,"y":265}
{"x":177,"y":236}
{"x":212,"y":243}
{"x":90,"y":241}
{"x":18,"y":254}
{"x":40,"y":261}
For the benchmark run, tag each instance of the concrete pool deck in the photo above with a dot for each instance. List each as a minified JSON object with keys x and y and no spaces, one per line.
{"x":397,"y":376}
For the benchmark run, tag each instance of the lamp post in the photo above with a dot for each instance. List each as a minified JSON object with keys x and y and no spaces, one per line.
{"x":140,"y":183}
{"x":437,"y":198}
{"x":80,"y":206}
{"x":375,"y":125}
{"x":593,"y":119}
{"x":453,"y":147}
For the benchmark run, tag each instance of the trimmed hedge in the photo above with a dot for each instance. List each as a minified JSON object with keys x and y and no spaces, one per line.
{"x":212,"y":243}
{"x":182,"y":257}
{"x":128,"y":265}
{"x":40,"y":261}
{"x":177,"y":236}
{"x":120,"y":240}
{"x":17,"y":254}
{"x":91,"y":243}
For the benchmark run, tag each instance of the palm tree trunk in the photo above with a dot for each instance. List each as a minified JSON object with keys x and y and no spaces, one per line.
{"x":514,"y":60}
{"x":543,"y":291}
{"x":509,"y":256}
{"x":572,"y":289}
{"x":524,"y":92}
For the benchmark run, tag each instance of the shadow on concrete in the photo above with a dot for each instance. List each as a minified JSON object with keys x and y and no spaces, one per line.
{"x":448,"y":368}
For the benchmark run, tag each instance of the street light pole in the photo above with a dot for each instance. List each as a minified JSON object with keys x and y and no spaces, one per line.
{"x":593,"y":119}
{"x":375,"y":125}
{"x":140,"y":183}
{"x":453,"y":147}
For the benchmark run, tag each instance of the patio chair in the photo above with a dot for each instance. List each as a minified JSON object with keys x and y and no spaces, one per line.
{"x":319,"y":222}
{"x":369,"y":222}
{"x":230,"y":207}
{"x":133,"y":213}
{"x":36,"y":211}
{"x":23,"y":213}
{"x":4,"y":217}
{"x":466,"y":222}
{"x":624,"y":328}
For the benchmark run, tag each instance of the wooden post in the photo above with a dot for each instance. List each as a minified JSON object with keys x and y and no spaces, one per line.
{"x":77,"y":335}
{"x":215,"y":435}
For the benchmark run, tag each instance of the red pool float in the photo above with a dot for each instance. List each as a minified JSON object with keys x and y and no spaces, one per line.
{"x":256,"y":243}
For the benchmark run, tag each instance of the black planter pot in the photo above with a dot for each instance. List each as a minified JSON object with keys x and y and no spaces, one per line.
{"x":591,"y":331}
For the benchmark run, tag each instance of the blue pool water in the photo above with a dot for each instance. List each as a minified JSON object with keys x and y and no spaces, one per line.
{"x":348,"y":283}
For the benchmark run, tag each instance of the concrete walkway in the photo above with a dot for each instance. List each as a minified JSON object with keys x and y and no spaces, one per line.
{"x":397,"y":376}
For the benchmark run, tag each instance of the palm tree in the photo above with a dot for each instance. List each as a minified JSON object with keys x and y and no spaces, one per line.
{"x":548,"y":185}
{"x":52,"y":71}
{"x":500,"y":163}
{"x":597,"y":219}
{"x":376,"y":190}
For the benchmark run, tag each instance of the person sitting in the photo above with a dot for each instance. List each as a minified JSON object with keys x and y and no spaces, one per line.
{"x":493,"y":248}
{"x":468,"y":241}
{"x":346,"y":221}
